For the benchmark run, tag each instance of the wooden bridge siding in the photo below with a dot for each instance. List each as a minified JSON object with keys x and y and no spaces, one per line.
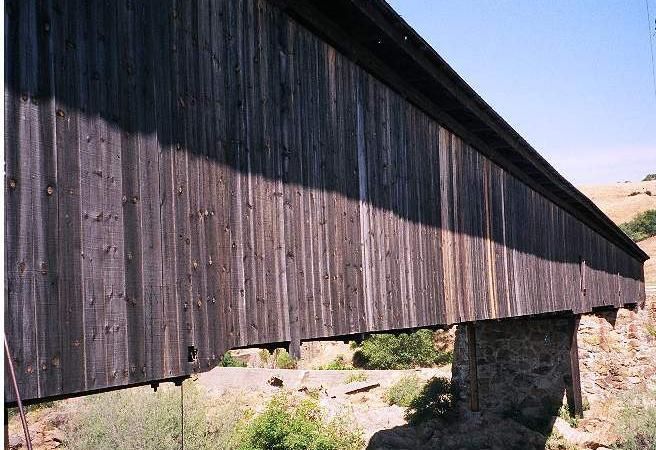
{"x":227,"y":113}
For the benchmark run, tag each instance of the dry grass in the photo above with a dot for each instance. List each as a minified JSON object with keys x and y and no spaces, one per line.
{"x":649,"y":246}
{"x":615,"y":200}
{"x":617,"y":203}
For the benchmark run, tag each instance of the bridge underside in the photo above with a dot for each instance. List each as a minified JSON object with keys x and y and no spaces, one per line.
{"x":190,"y":177}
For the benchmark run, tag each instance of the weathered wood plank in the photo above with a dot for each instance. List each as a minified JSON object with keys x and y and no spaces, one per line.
{"x":45,"y":218}
{"x":216,"y":174}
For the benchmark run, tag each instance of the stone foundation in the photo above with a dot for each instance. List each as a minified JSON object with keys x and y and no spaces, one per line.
{"x":523,"y":365}
{"x":617,"y":351}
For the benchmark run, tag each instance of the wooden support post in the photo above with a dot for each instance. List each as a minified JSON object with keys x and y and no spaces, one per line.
{"x":473,"y":368}
{"x":576,"y":405}
{"x":295,"y":348}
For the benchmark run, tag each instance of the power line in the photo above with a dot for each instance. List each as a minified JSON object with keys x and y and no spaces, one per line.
{"x":651,"y":47}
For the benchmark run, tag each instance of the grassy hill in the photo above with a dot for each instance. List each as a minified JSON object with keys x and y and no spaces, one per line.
{"x":624,"y":201}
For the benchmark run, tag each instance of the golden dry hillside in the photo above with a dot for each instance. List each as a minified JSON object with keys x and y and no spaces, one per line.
{"x":617,"y":201}
{"x":649,"y":246}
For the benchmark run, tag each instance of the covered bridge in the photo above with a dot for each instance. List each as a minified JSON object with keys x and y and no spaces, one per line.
{"x":183,"y":178}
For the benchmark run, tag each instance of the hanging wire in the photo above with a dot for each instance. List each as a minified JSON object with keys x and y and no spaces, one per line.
{"x":21,"y":412}
{"x":651,"y":47}
{"x":181,"y":416}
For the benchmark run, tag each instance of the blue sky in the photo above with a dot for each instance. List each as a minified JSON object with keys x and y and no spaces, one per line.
{"x":572,"y":77}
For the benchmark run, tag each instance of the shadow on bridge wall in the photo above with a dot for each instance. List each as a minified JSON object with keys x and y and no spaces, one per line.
{"x":234,"y":82}
{"x":524,"y":378}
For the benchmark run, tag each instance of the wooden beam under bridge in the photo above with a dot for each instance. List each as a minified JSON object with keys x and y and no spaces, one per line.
{"x":575,"y":398}
{"x":473,"y":368}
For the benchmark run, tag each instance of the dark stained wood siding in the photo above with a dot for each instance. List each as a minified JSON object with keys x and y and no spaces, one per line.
{"x":214,"y":174}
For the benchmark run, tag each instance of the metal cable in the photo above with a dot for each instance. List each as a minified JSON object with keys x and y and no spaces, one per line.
{"x":21,"y":412}
{"x":651,"y":47}
{"x":181,"y":416}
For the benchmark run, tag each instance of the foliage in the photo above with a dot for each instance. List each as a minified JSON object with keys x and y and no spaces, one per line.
{"x":284,"y":360}
{"x":337,"y":364}
{"x":565,"y":414}
{"x":356,"y":377}
{"x":642,"y":226}
{"x":402,"y":351}
{"x":404,"y":391}
{"x":264,"y":356}
{"x":650,"y":177}
{"x":586,"y":403}
{"x":230,"y":361}
{"x":436,"y":399}
{"x":651,"y":329}
{"x":636,"y":424}
{"x":31,"y":409}
{"x":141,"y":419}
{"x":556,"y":441}
{"x":291,"y":424}
{"x":444,"y":358}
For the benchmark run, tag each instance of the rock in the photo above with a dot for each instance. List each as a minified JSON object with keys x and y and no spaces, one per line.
{"x":56,"y":436}
{"x":275,"y":382}
{"x":15,"y":441}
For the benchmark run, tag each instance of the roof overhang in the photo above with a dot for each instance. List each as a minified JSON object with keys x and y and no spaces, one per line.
{"x":373,"y":35}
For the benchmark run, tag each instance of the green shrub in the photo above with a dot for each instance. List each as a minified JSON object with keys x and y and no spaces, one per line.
{"x":291,"y":424}
{"x":651,"y":329}
{"x":650,"y":177}
{"x":11,"y":412}
{"x":337,"y":364}
{"x":436,"y":400}
{"x":404,"y":391}
{"x":139,"y":418}
{"x":230,"y":361}
{"x":356,"y":377}
{"x":401,"y":351}
{"x":636,"y":424}
{"x":642,"y":226}
{"x":565,"y":414}
{"x":556,"y":441}
{"x":31,"y":409}
{"x":284,"y":360}
{"x":265,"y":356}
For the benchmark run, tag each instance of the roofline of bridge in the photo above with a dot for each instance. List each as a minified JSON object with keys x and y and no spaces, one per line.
{"x":377,"y":38}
